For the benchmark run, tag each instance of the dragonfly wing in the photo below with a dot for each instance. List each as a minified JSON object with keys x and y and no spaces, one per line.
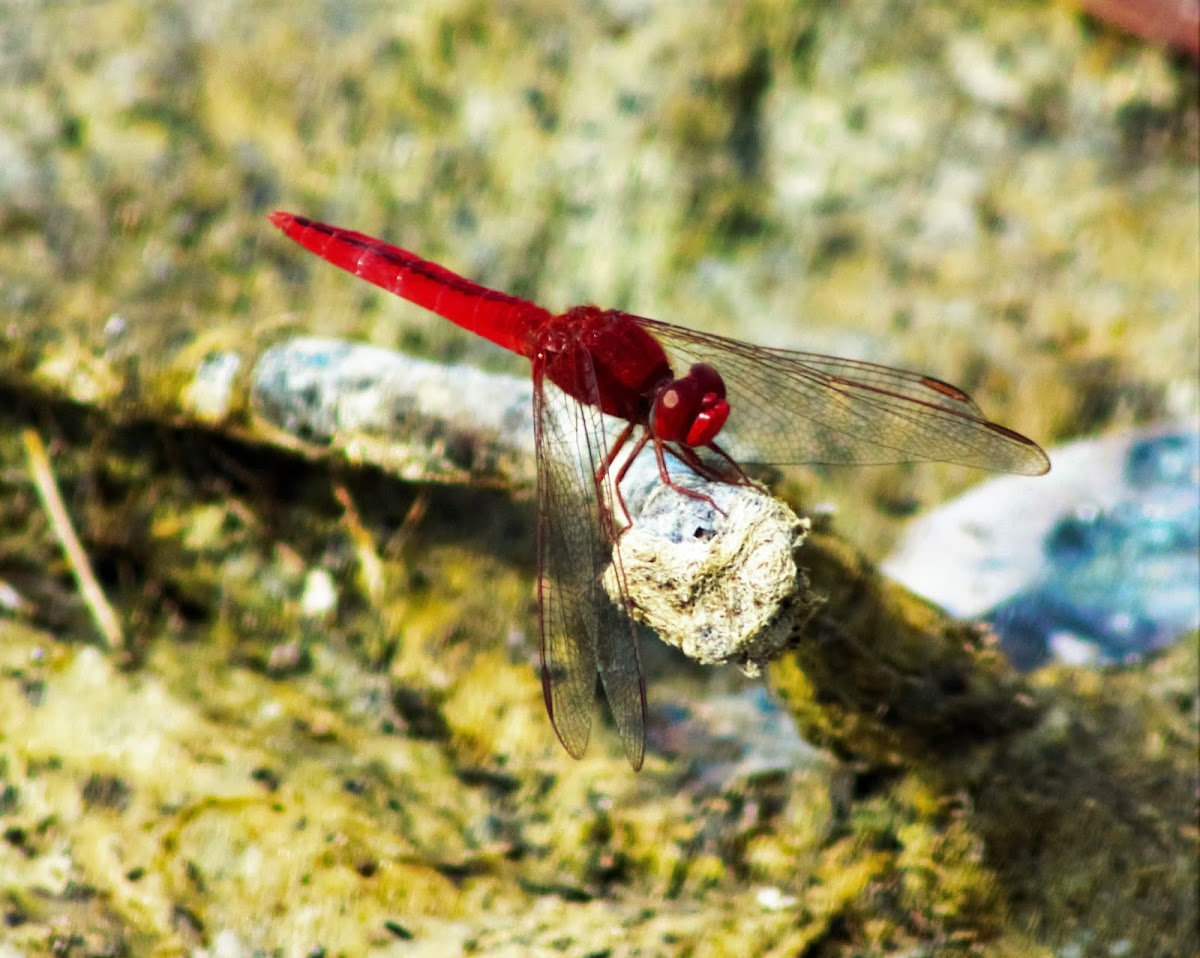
{"x":795,"y":407}
{"x":621,"y":670}
{"x":582,"y":632}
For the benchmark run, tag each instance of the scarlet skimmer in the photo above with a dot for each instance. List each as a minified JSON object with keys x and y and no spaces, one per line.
{"x":789,"y":407}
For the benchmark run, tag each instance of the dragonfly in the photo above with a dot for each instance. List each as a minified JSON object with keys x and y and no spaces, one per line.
{"x":677,"y":391}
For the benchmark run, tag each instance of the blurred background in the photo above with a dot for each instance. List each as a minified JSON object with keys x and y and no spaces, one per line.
{"x":1005,"y":197}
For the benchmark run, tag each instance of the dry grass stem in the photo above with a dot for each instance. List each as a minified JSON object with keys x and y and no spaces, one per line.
{"x":93,"y":595}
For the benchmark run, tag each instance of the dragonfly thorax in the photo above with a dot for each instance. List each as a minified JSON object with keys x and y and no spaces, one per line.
{"x":603,"y":358}
{"x":691,"y":409}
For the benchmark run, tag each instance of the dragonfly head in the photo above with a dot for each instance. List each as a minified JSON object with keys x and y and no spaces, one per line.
{"x":691,"y":409}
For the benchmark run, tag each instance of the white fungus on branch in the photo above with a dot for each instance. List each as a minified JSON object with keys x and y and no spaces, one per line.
{"x":720,"y":583}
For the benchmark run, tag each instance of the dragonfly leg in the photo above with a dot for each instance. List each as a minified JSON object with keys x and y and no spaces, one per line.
{"x":610,"y":458}
{"x":689,"y":458}
{"x":633,"y":454}
{"x":742,"y":478}
{"x":606,"y":466}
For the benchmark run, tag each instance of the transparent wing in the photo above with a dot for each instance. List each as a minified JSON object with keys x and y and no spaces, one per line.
{"x":582,"y":632}
{"x":794,"y":407}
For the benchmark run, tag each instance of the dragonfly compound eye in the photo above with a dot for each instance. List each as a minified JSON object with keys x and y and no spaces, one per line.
{"x":675,"y":408}
{"x":708,"y":412}
{"x":691,"y":409}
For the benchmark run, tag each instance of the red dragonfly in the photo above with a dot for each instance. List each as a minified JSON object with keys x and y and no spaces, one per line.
{"x":790,"y":407}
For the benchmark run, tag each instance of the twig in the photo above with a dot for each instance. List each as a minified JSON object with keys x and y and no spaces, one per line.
{"x":370,"y":565}
{"x":415,"y":419}
{"x":93,"y":595}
